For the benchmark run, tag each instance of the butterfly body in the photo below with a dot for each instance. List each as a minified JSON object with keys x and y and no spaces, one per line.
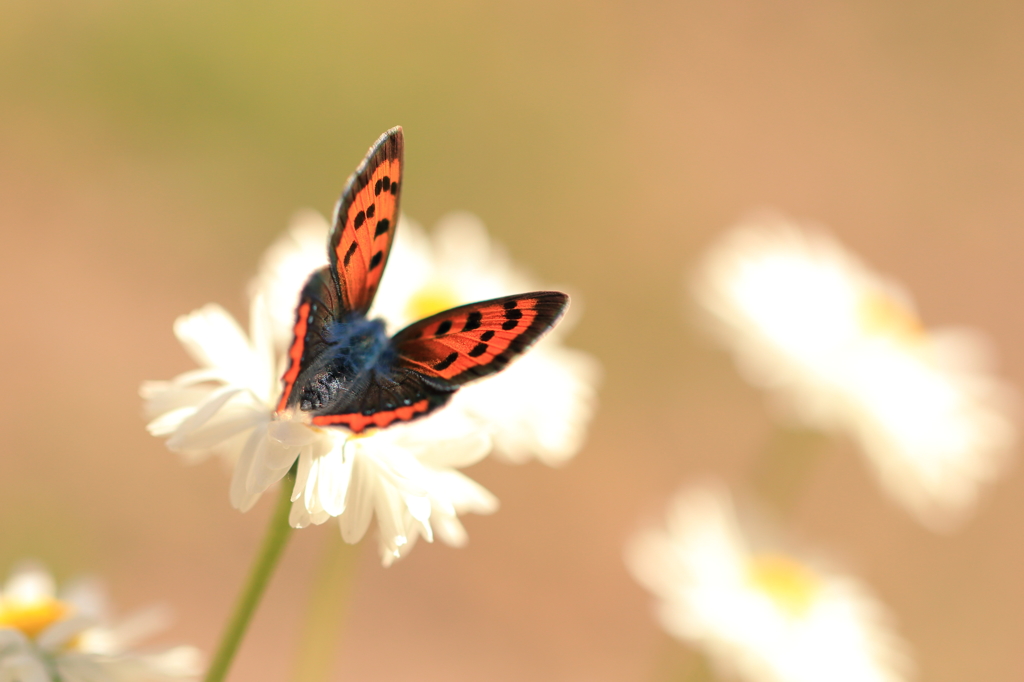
{"x":355,"y":349}
{"x":344,"y":370}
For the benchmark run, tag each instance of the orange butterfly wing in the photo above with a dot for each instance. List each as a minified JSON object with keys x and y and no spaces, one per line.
{"x":475,"y":340}
{"x":317,"y":311}
{"x":364,"y":222}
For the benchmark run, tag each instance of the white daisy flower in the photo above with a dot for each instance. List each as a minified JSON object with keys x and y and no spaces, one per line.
{"x":844,"y":350}
{"x":69,"y":637}
{"x":758,"y":611}
{"x":404,"y":474}
{"x":539,"y":407}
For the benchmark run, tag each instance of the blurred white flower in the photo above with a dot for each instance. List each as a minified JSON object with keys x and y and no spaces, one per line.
{"x":69,"y":637}
{"x":539,"y":407}
{"x":404,"y":474}
{"x":844,"y":350}
{"x":757,"y":611}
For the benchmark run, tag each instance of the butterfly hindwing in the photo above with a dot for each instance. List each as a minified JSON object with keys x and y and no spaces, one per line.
{"x":398,"y":395}
{"x":317,"y":311}
{"x":364,"y":222}
{"x":475,"y":340}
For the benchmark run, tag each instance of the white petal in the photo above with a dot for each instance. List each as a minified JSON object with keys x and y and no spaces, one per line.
{"x":241,"y":498}
{"x":166,"y":396}
{"x":58,"y":635}
{"x":213,"y":338}
{"x":262,"y":473}
{"x":29,"y":583}
{"x":302,"y":473}
{"x":230,"y":421}
{"x":333,"y":482}
{"x":129,"y":631}
{"x":450,"y":530}
{"x":359,"y":503}
{"x":88,"y":596}
{"x":203,"y":414}
{"x":169,"y":422}
{"x":292,"y":433}
{"x":18,"y":662}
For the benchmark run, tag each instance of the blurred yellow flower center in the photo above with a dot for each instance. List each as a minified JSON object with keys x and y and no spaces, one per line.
{"x":885,"y":316}
{"x":789,"y":584}
{"x":32,"y":617}
{"x":431,"y":299}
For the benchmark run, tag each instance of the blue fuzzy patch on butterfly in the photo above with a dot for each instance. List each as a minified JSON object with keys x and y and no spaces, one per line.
{"x":357,"y":344}
{"x":356,"y":347}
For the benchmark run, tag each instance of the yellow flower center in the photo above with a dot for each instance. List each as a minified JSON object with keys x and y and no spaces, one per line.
{"x":885,"y":316}
{"x":32,"y":617}
{"x":431,"y":299}
{"x":790,"y":585}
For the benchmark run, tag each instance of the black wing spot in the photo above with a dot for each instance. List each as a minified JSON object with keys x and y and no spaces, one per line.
{"x":478,"y":350}
{"x":360,"y":219}
{"x":447,"y":362}
{"x":487,"y":335}
{"x":513,"y":314}
{"x":509,"y":305}
{"x":377,"y":258}
{"x":351,"y":249}
{"x":473,"y":321}
{"x":378,"y":187}
{"x":385,"y":183}
{"x":370,"y":210}
{"x":510,"y":324}
{"x":394,"y":188}
{"x":443,"y":328}
{"x":383,"y":225}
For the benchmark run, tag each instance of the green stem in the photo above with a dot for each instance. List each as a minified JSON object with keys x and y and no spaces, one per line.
{"x":325,"y":614}
{"x":273,"y":544}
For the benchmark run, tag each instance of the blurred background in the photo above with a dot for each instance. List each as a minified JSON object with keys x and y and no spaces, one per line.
{"x":149,"y":152}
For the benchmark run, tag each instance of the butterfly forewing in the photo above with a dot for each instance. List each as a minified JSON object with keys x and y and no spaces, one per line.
{"x":478,"y":339}
{"x":364,"y":223}
{"x":317,"y":311}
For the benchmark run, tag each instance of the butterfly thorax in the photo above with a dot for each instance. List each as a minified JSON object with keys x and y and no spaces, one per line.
{"x":355,"y":348}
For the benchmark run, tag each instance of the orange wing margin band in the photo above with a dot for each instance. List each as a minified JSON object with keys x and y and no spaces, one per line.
{"x":358,"y":422}
{"x":295,"y":354}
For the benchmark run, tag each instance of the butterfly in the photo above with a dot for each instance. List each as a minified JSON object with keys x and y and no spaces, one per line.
{"x":344,"y":370}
